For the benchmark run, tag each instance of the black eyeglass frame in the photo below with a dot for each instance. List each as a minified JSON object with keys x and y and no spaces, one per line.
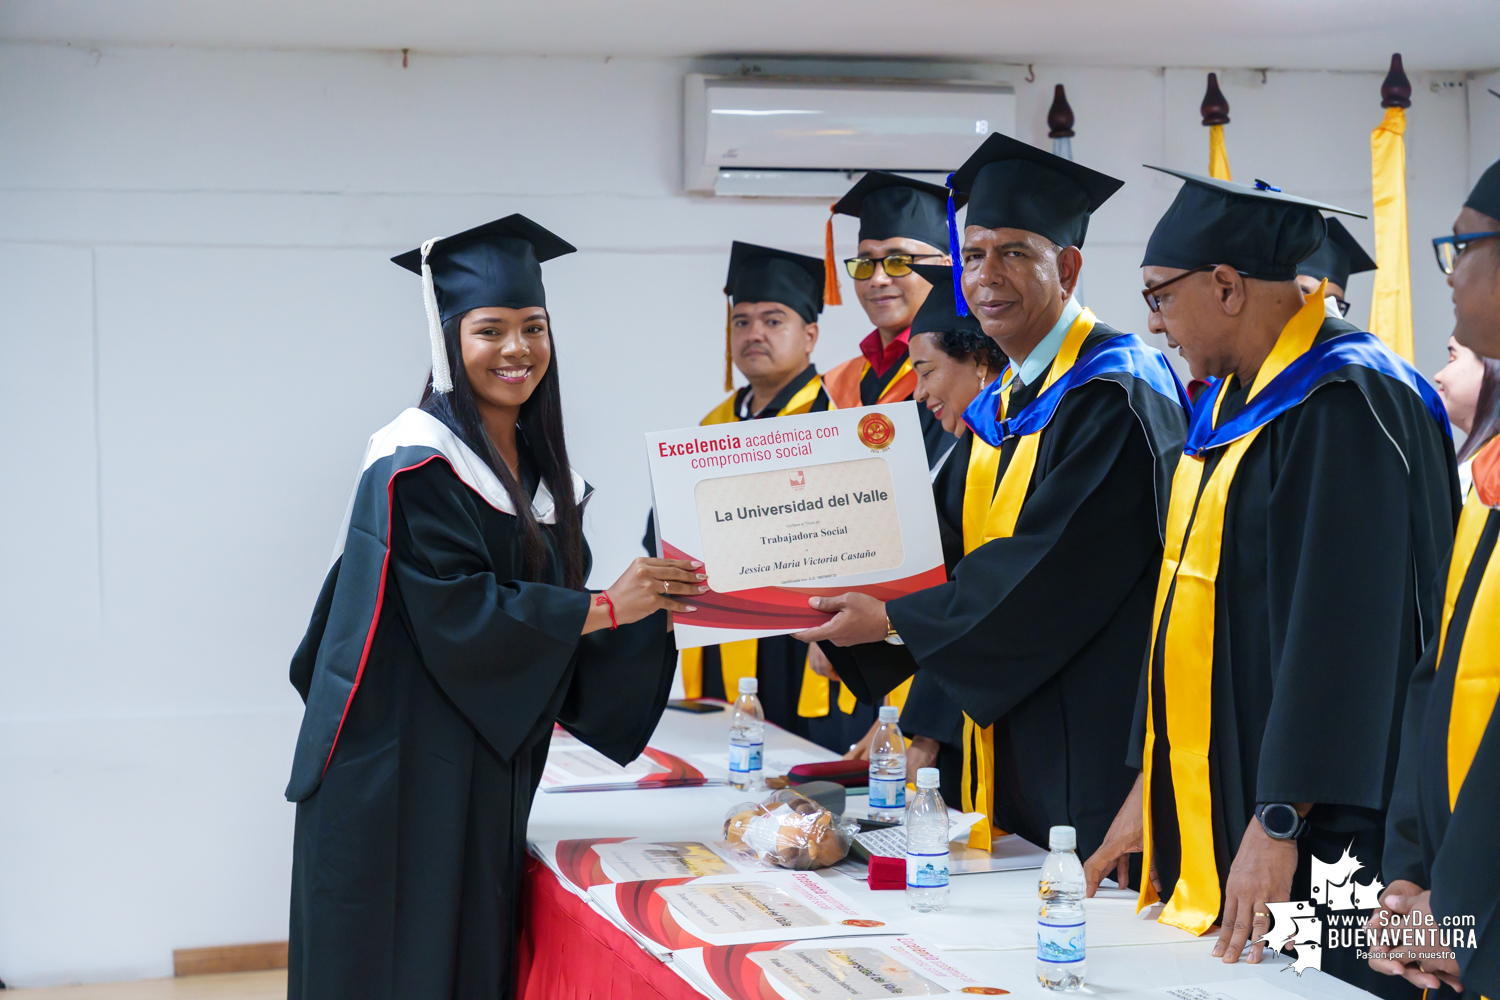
{"x":851,"y":262}
{"x":1149,"y":293}
{"x":1460,"y":242}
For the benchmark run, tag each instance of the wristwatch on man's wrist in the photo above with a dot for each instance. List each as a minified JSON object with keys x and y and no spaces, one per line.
{"x":891,"y":636}
{"x":1280,"y":820}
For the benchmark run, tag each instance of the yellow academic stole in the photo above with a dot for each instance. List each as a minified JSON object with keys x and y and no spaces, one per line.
{"x":1476,"y":683}
{"x":991,"y":513}
{"x":1190,"y":560}
{"x":737,"y":659}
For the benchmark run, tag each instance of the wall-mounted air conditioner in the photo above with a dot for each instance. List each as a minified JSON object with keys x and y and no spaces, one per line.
{"x":800,"y":138}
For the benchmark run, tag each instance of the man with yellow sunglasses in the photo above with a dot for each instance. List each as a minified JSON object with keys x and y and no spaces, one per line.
{"x":901,"y":222}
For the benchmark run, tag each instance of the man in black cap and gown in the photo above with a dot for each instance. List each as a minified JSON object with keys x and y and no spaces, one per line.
{"x":1440,"y":832}
{"x":1039,"y":635}
{"x":1309,"y":517}
{"x":775,"y":298}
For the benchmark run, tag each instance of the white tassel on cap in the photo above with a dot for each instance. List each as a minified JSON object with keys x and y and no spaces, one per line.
{"x":442,"y":378}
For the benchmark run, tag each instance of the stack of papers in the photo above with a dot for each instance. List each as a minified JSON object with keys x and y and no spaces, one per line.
{"x":849,"y":969}
{"x":582,"y":864}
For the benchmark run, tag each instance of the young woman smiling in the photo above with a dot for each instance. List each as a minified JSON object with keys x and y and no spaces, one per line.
{"x":451,"y":633}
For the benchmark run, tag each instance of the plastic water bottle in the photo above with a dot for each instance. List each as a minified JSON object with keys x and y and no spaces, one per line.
{"x":927,"y":846}
{"x":888,"y":769}
{"x":1060,"y":963}
{"x":747,"y":737}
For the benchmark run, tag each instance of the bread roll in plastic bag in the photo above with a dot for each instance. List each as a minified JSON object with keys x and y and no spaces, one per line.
{"x":790,"y":830}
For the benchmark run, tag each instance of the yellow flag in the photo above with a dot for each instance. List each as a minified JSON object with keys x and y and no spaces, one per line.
{"x":1218,"y":158}
{"x":1390,"y":311}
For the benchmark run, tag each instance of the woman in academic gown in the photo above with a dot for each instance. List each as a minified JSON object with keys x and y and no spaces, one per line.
{"x":450,"y":635}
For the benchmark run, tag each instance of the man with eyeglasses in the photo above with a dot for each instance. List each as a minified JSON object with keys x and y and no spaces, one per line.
{"x":1333,"y":262}
{"x":1310,"y":512}
{"x":1440,"y":834}
{"x":1040,"y":633}
{"x":901,"y":222}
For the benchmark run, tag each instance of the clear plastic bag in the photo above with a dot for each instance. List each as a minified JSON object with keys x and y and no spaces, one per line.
{"x":790,"y":830}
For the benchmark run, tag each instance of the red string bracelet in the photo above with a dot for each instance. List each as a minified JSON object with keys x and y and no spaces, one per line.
{"x":603,"y":598}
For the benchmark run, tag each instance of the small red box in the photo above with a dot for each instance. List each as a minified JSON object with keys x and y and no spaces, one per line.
{"x":887,"y":873}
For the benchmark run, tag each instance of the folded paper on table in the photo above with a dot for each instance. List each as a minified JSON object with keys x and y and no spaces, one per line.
{"x":667,"y":915}
{"x":789,"y":508}
{"x":861,"y":968}
{"x":573,"y":766}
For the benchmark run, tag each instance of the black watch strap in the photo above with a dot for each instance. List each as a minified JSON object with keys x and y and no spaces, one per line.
{"x":1280,"y":820}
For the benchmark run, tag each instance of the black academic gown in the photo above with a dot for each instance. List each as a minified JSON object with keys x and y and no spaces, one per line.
{"x":1042,"y":634}
{"x":778,"y":659}
{"x":1451,"y":851}
{"x":1334,"y":532}
{"x":409,"y":847}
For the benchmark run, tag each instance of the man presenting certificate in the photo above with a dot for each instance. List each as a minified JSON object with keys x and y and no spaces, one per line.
{"x":1040,"y":635}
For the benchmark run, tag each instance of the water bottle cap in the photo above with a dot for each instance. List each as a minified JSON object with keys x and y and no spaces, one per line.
{"x":749,"y":685}
{"x":890,"y":713}
{"x":1062,"y":838}
{"x":927,"y":777}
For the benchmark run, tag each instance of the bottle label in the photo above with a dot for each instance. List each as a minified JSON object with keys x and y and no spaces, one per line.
{"x":1059,"y":943}
{"x":745,"y":757}
{"x":887,"y":793}
{"x":926,"y":871}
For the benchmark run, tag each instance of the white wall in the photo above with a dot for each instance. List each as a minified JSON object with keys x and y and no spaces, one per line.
{"x":199,"y":328}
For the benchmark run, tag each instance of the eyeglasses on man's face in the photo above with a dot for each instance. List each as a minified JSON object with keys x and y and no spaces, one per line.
{"x":1149,"y":294}
{"x":897,"y":265}
{"x":1448,"y":248}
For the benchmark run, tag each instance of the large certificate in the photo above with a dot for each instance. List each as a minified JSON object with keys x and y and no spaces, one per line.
{"x":789,"y":508}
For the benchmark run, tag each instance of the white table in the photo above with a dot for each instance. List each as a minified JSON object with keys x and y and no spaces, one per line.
{"x":989,"y":924}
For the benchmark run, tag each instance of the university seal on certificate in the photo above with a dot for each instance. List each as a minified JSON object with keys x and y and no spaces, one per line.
{"x":789,"y":508}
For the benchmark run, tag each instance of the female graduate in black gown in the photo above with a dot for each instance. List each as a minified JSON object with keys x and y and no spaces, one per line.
{"x":452,"y":632}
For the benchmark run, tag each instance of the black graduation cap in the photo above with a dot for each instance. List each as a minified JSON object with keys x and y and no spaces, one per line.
{"x":764,"y":274}
{"x":1254,"y":228}
{"x":1485,"y":198}
{"x":889,"y":206}
{"x":938,"y":313}
{"x":496,"y":264}
{"x":1013,"y":185}
{"x":1338,"y":257}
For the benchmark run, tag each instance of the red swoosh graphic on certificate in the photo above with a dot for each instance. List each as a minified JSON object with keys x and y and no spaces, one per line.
{"x":786,"y":607}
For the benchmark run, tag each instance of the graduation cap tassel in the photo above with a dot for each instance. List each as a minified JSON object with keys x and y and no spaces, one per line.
{"x":831,"y":294}
{"x":442,"y":378}
{"x":728,"y":353}
{"x":959,"y":304}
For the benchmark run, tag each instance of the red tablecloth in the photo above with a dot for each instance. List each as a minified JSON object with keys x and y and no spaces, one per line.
{"x":569,"y":952}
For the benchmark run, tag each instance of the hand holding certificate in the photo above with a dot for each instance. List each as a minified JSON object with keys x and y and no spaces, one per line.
{"x":790,"y":508}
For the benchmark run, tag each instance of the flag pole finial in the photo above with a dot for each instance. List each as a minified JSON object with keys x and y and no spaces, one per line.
{"x":1060,"y":116}
{"x":1215,"y":106}
{"x":1395,"y":90}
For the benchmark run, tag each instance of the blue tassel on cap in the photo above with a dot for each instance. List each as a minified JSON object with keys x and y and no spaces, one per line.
{"x":959,"y":304}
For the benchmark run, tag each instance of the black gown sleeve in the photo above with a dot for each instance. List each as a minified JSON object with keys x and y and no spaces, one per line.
{"x":1340,"y":581}
{"x":1019,"y":608}
{"x":306,"y":657}
{"x":930,"y":712}
{"x":499,"y":648}
{"x":620,"y":686}
{"x":1403,"y":857}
